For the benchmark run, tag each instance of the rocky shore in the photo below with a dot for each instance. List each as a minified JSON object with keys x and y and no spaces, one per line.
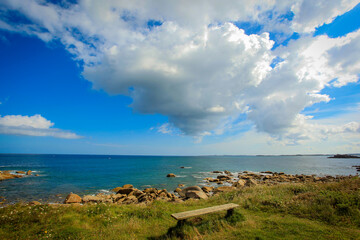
{"x":225,"y":181}
{"x":4,"y":175}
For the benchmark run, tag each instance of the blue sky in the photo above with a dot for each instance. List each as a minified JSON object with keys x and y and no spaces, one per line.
{"x":150,"y":82}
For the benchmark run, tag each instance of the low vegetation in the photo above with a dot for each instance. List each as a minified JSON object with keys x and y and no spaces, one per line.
{"x":283,"y":211}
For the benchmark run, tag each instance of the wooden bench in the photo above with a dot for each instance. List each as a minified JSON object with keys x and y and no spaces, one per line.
{"x":182,"y":216}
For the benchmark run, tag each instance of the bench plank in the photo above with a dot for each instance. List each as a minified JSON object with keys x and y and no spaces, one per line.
{"x":194,"y":213}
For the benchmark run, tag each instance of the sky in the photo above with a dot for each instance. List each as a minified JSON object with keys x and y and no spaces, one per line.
{"x":180,"y":77}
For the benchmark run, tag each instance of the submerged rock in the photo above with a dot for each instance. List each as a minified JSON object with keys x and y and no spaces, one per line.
{"x":170,"y":175}
{"x":28,"y":172}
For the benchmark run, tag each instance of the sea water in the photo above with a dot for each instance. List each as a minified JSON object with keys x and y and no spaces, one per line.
{"x":91,"y":174}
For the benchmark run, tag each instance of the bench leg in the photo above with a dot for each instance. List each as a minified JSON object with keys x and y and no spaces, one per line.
{"x":180,"y":223}
{"x":229,"y":212}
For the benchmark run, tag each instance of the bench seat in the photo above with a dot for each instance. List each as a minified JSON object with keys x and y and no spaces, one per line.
{"x":199,"y":212}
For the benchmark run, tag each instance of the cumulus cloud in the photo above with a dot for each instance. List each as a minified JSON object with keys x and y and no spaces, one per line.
{"x":188,"y":60}
{"x":32,"y":126}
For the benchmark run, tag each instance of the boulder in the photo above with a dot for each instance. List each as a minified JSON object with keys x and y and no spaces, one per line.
{"x":207,"y":189}
{"x":250,"y":182}
{"x":223,"y":177}
{"x":181,"y":185}
{"x":216,"y":171}
{"x":227,"y":172}
{"x":125,"y":190}
{"x":36,"y":175}
{"x":239,"y":184}
{"x":128,"y":186}
{"x":72,"y":198}
{"x":34,"y":203}
{"x":116,"y":189}
{"x":94,"y":199}
{"x":170,"y":175}
{"x":196,"y":194}
{"x":150,"y":190}
{"x":180,"y":192}
{"x":136,"y":193}
{"x":20,"y":172}
{"x":192,"y":188}
{"x":224,"y":189}
{"x":130,"y":199}
{"x":28,"y":172}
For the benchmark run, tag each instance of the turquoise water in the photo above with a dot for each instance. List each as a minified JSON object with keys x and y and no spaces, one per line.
{"x":90,"y":174}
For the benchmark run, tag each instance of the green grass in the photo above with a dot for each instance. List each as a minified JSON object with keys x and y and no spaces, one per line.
{"x":285,"y":211}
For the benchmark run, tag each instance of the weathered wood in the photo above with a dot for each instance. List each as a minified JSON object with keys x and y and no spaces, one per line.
{"x":198,"y":212}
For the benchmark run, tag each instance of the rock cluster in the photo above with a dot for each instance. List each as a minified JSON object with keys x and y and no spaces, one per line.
{"x":126,"y":194}
{"x":357,"y":167}
{"x":19,"y":174}
{"x":7,"y":175}
{"x":247,"y":179}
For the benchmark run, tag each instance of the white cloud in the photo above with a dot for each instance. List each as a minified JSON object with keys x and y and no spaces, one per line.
{"x":198,"y":68}
{"x":310,"y":14}
{"x":32,"y":126}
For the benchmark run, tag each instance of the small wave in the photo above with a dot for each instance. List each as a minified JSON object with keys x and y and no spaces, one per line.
{"x":181,"y":176}
{"x":196,"y":176}
{"x":104,"y":191}
{"x":187,"y":167}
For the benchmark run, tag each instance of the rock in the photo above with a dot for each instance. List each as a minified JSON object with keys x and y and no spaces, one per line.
{"x":116,"y":189}
{"x":20,"y":172}
{"x":196,"y":194}
{"x":7,"y":175}
{"x":36,"y":175}
{"x":239,"y":184}
{"x":216,"y":171}
{"x":180,"y":192}
{"x":181,"y":185}
{"x":170,"y":175}
{"x":224,"y":189}
{"x":223,"y":177}
{"x":268,"y":172}
{"x":72,"y":198}
{"x":95,"y":199}
{"x":150,"y":190}
{"x":130,"y":199}
{"x":136,"y":193}
{"x":125,"y":190}
{"x":192,"y":188}
{"x":344,"y":156}
{"x":34,"y":203}
{"x":207,"y":189}
{"x":250,"y":182}
{"x":28,"y":172}
{"x":128,"y":186}
{"x":182,"y":167}
{"x":227,"y":172}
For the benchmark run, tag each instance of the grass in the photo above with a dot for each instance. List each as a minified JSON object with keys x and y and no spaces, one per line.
{"x":285,"y":211}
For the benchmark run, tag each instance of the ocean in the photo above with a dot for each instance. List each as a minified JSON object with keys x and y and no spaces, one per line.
{"x":91,"y":174}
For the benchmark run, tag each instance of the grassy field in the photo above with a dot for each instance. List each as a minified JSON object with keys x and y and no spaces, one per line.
{"x":285,"y":211}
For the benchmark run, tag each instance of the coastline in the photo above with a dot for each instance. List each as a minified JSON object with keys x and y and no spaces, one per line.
{"x":219,"y":182}
{"x":308,"y":210}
